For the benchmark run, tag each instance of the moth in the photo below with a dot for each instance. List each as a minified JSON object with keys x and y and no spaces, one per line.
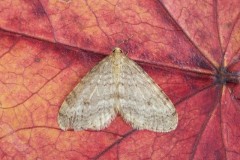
{"x":117,"y":85}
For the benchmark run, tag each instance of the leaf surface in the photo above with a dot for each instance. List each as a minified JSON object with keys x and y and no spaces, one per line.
{"x":190,"y":48}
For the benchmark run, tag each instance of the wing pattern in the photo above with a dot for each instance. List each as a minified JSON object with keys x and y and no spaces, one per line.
{"x":117,"y":85}
{"x":90,"y":104}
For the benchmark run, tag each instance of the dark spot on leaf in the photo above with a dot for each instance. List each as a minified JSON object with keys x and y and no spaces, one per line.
{"x":87,"y":42}
{"x":36,"y":59}
{"x":223,"y":76}
{"x":171,"y":57}
{"x":145,"y":55}
{"x":39,"y":11}
{"x":229,"y":24}
{"x":198,"y":60}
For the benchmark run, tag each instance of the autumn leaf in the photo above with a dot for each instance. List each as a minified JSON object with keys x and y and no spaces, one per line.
{"x":190,"y":48}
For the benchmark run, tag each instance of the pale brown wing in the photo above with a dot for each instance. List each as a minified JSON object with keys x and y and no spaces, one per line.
{"x":90,"y":104}
{"x":143,"y":103}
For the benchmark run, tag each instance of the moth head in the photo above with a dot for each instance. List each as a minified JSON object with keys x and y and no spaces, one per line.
{"x":117,"y":50}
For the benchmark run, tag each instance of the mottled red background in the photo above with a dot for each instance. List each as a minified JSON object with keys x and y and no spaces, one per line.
{"x":190,"y":48}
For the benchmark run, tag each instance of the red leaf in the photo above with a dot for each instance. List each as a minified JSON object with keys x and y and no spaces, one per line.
{"x":190,"y":48}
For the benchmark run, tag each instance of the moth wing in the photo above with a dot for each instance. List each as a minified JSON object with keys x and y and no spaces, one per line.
{"x":90,"y":104}
{"x":143,"y":103}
